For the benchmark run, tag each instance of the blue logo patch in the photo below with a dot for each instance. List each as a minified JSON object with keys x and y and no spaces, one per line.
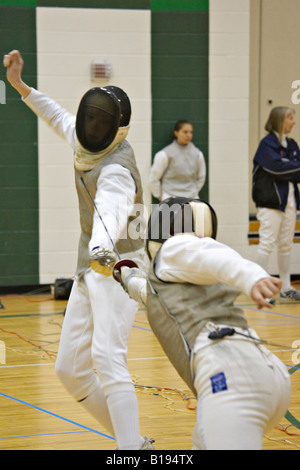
{"x":218,"y":382}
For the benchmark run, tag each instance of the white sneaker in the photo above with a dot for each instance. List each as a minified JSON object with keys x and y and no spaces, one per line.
{"x":148,"y":444}
{"x":291,"y":294}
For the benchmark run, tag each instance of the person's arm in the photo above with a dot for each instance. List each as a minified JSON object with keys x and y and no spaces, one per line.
{"x":270,"y":159}
{"x":60,"y":120}
{"x":159,"y":166}
{"x":14,"y":66}
{"x":114,"y":200}
{"x":201,"y":172}
{"x":136,"y":283}
{"x":56,"y":117}
{"x":204,"y":261}
{"x":187,"y":258}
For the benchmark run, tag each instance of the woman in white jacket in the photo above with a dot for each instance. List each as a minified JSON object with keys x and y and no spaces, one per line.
{"x":178,"y":169}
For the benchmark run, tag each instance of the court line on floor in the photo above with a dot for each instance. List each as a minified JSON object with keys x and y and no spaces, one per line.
{"x":43,"y":434}
{"x":15,"y":366}
{"x":255,"y":325}
{"x":56,"y":415}
{"x":142,"y":328}
{"x":39,"y":314}
{"x":269,"y":312}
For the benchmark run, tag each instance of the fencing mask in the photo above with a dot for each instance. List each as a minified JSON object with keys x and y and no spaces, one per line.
{"x":179,"y":215}
{"x":124,"y":102}
{"x":100,"y":114}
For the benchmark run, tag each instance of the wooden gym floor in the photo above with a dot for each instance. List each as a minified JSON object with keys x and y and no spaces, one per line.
{"x":36,"y":413}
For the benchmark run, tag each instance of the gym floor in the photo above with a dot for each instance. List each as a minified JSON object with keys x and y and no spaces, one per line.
{"x":36,"y":413}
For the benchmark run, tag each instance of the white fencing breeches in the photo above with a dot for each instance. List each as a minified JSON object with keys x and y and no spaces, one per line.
{"x":243,"y":390}
{"x":92,"y":355}
{"x":94,"y":336}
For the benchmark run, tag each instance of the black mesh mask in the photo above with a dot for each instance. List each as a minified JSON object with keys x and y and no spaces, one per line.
{"x":177,"y":215}
{"x":98,"y":119}
{"x":124,"y":102}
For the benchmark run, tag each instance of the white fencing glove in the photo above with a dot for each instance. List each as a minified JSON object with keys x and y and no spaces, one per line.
{"x":134,"y":279}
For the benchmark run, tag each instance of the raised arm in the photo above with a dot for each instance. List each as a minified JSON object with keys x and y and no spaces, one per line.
{"x":59,"y":119}
{"x":14,"y":64}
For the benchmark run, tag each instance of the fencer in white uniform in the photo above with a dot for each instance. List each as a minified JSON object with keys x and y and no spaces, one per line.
{"x":242,"y":388}
{"x":99,"y":314}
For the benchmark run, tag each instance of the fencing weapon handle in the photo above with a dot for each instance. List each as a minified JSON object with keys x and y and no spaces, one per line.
{"x":117,"y":268}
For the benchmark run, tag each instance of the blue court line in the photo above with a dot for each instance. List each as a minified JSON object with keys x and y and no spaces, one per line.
{"x":293,"y":369}
{"x":275,"y":321}
{"x":44,"y":434}
{"x":254,"y":324}
{"x":56,"y":416}
{"x":269,"y":312}
{"x":141,"y":328}
{"x":17,"y":315}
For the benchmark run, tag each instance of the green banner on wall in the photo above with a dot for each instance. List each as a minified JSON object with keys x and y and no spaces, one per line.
{"x":186,"y":5}
{"x":179,"y":5}
{"x":18,"y":3}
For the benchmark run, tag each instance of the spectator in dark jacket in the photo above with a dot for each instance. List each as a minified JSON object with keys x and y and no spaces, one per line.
{"x":276,"y":172}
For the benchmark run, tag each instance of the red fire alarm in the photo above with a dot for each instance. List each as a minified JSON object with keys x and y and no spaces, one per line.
{"x":100,"y":70}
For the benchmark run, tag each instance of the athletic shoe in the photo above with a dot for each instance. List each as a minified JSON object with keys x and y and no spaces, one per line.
{"x":291,"y":294}
{"x":148,"y":444}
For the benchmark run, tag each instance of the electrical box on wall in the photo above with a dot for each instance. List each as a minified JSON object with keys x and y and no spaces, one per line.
{"x":100,"y":69}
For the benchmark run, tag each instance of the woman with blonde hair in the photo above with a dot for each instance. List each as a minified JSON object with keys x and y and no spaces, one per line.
{"x":276,"y":172}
